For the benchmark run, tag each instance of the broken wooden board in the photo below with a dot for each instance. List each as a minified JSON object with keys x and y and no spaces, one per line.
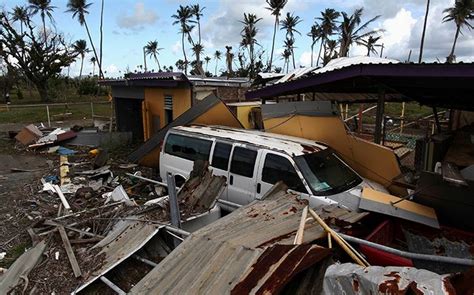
{"x":70,"y":253}
{"x":375,"y":201}
{"x":21,"y":267}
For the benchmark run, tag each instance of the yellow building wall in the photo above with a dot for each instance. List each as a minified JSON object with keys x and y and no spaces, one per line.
{"x":154,"y":105}
{"x":370,"y":160}
{"x":243,"y":115}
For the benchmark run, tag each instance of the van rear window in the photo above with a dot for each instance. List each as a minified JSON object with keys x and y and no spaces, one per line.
{"x":187,"y":147}
{"x":220,"y":159}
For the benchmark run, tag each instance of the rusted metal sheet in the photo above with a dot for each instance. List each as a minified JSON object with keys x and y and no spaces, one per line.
{"x":350,"y":278}
{"x":239,"y":246}
{"x":277,"y":266}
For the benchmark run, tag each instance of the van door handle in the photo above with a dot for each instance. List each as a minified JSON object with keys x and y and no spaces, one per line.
{"x":258,"y":188}
{"x":231,"y":180}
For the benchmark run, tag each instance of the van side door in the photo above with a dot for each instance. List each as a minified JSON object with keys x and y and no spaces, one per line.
{"x":220,"y":162}
{"x":275,"y":167}
{"x":242,"y":175}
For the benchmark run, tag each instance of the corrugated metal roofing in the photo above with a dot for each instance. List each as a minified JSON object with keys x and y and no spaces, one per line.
{"x":287,"y":144}
{"x":216,"y":258}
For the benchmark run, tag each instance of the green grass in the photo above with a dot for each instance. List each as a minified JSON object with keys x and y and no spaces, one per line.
{"x":413,"y":111}
{"x":38,"y":114}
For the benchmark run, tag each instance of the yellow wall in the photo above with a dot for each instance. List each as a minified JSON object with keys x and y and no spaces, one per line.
{"x":370,"y":160}
{"x":154,"y":105}
{"x":243,"y":115}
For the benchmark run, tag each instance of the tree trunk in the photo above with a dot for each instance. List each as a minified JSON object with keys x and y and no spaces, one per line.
{"x":44,"y":30}
{"x":42,"y":88}
{"x":144,"y":58}
{"x":319,"y":54}
{"x":424,"y":30}
{"x":293,"y":57}
{"x":159,"y":67}
{"x":199,"y":31}
{"x":273,"y":43}
{"x":82,"y":64}
{"x":312,"y":50}
{"x":451,"y":55}
{"x":215,"y":70}
{"x":184,"y":53}
{"x":101,"y":74}
{"x":101,"y":31}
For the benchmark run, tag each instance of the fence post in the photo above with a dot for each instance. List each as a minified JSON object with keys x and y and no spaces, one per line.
{"x":47,"y":113}
{"x":92,"y":110}
{"x":403,"y":117}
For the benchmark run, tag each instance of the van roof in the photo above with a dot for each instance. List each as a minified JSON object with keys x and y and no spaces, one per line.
{"x":293,"y":146}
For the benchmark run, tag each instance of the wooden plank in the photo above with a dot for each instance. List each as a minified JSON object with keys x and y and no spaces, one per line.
{"x":70,"y":254}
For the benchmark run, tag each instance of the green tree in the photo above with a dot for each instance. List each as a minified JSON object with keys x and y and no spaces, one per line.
{"x":351,"y":32}
{"x":80,"y":47}
{"x":207,"y":59}
{"x":328,"y":21}
{"x":183,"y":18}
{"x":20,"y":14}
{"x":93,"y":61}
{"x":316,"y":34}
{"x":78,"y":8}
{"x":198,"y":49}
{"x":36,"y":60}
{"x":44,"y":8}
{"x":196,"y":11}
{"x":248,"y":34}
{"x":153,"y":50}
{"x":285,"y":55}
{"x":289,"y":24}
{"x":217,"y":58}
{"x":275,"y":6}
{"x":370,"y":43}
{"x":461,"y":13}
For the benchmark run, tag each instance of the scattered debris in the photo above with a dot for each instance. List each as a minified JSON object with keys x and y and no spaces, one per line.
{"x":29,"y":134}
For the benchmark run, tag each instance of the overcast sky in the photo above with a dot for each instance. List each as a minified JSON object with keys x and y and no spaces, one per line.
{"x":129,"y":25}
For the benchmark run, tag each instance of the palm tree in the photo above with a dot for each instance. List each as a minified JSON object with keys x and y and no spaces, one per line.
{"x":153,"y":50}
{"x":207,"y":59}
{"x":420,"y":57}
{"x":351,"y":32}
{"x":248,"y":34}
{"x":101,"y":29}
{"x":197,"y":50}
{"x":93,"y":61}
{"x":329,"y":51}
{"x":180,"y":64}
{"x":80,"y":47}
{"x":78,"y":8}
{"x":275,"y":6}
{"x":316,"y":35}
{"x":461,"y":13}
{"x":370,"y":43}
{"x":229,"y":57}
{"x":183,"y":18}
{"x":285,"y":55}
{"x":328,"y":20}
{"x":20,"y":13}
{"x":289,"y":45}
{"x":196,"y":10}
{"x":217,"y":58}
{"x":45,"y":8}
{"x":289,"y":24}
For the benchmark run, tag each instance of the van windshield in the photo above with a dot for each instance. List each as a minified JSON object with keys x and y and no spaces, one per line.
{"x":325,"y":173}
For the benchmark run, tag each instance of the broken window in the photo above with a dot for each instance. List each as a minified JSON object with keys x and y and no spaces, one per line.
{"x":243,"y":161}
{"x":186,"y":147}
{"x":220,"y":159}
{"x":278,"y":168}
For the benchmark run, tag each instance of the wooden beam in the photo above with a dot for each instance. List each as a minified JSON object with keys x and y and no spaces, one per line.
{"x":70,"y":254}
{"x":379,"y":116}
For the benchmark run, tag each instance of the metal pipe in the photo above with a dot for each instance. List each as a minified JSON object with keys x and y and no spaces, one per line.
{"x":144,"y":260}
{"x":177,"y":230}
{"x":147,"y":179}
{"x":112,"y":286}
{"x":426,"y":257}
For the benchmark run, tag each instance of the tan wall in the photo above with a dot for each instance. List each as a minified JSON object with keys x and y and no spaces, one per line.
{"x":154,"y":105}
{"x":370,"y":160}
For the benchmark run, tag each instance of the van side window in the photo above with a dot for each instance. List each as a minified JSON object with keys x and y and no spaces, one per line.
{"x":188,"y":147}
{"x":220,"y":159}
{"x":243,"y":161}
{"x":278,"y":168}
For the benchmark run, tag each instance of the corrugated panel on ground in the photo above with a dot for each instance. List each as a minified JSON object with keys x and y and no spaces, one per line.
{"x":217,"y":257}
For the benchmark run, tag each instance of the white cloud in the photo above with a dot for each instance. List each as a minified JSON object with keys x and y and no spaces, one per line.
{"x":397,"y":34}
{"x":140,"y":17}
{"x":176,"y":48}
{"x":305,"y":58}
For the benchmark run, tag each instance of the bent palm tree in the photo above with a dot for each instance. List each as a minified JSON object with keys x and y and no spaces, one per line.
{"x":217,"y":58}
{"x":316,"y":35}
{"x":275,"y":6}
{"x":370,"y":43}
{"x":351,"y":32}
{"x":78,"y":8}
{"x":248,"y":34}
{"x":328,"y":20}
{"x":80,"y":47}
{"x":461,"y":13}
{"x":44,"y":8}
{"x":197,"y":50}
{"x":153,"y":50}
{"x":289,"y":24}
{"x":20,"y":14}
{"x":422,"y":42}
{"x":196,"y":10}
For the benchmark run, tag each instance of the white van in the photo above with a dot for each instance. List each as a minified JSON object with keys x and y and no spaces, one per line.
{"x":253,"y":161}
